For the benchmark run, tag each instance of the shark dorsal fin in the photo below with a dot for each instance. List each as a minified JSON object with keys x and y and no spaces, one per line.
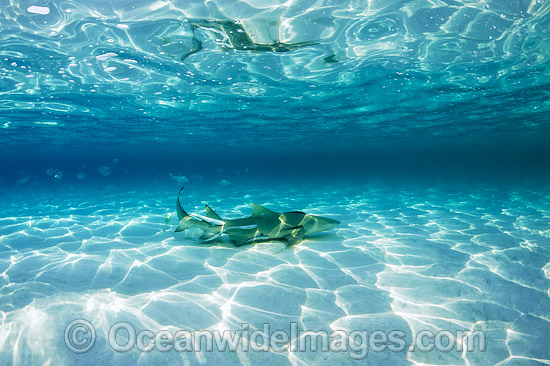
{"x":261,"y":211}
{"x":210,"y":213}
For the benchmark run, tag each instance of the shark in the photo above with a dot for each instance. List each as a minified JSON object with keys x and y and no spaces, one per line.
{"x":263,"y":225}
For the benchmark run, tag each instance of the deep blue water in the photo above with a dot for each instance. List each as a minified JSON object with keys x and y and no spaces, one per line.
{"x":422,"y":126}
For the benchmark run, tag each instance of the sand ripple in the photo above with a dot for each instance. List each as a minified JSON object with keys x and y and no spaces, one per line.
{"x":410,"y":259}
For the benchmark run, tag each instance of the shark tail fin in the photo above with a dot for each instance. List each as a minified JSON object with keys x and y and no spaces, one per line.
{"x":181,"y":212}
{"x":186,"y":221}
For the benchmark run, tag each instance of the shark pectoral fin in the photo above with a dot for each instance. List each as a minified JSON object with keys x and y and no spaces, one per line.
{"x":211,"y":214}
{"x":258,"y":210}
{"x":242,"y":236}
{"x":283,"y":232}
{"x":295,"y":236}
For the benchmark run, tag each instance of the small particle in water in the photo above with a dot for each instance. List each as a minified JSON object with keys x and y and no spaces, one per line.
{"x":46,"y":123}
{"x":105,"y":56}
{"x":122,"y":26}
{"x":24,"y":177}
{"x":179,"y":178}
{"x":109,"y":69}
{"x":104,"y":170}
{"x":115,"y":161}
{"x":35,"y":9}
{"x":224,"y":182}
{"x":57,"y":174}
{"x":81,"y":175}
{"x":246,"y":170}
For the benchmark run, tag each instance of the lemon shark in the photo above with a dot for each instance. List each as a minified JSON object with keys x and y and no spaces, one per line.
{"x":263,"y":225}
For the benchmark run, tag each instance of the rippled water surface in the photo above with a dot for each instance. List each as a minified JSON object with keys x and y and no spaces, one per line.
{"x":288,"y":72}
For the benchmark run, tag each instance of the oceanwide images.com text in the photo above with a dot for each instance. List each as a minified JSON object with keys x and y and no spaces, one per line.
{"x":80,"y":337}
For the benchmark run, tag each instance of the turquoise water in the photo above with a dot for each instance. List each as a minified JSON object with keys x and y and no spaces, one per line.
{"x":421,"y":126}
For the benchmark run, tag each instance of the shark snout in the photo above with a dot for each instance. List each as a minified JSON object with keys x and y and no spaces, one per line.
{"x":332,"y":223}
{"x":323,"y":224}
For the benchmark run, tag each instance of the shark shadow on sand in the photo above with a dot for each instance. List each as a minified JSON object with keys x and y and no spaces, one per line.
{"x":264,"y":225}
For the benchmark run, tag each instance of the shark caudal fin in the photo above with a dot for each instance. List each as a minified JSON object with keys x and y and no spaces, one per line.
{"x":210,"y":230}
{"x":181,"y":212}
{"x":186,"y":221}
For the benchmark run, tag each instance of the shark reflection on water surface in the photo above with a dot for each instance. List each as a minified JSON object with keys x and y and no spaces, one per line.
{"x":234,"y":36}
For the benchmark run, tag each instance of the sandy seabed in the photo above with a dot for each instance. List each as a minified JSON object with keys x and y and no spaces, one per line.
{"x":410,"y":259}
